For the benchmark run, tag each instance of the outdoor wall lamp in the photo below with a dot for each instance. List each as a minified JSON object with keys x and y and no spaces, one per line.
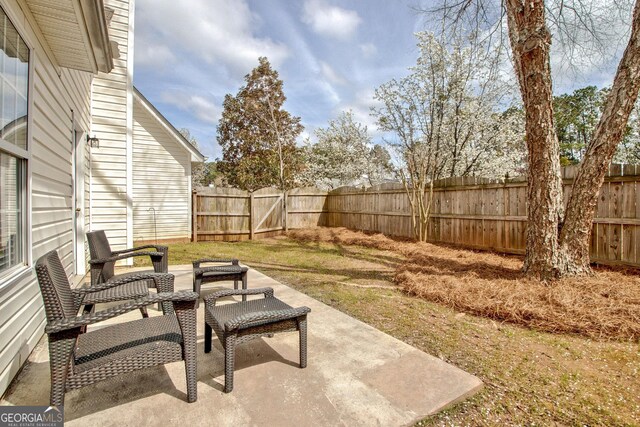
{"x":93,"y":141}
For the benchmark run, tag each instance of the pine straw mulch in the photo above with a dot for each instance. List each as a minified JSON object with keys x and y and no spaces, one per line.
{"x":603,"y":306}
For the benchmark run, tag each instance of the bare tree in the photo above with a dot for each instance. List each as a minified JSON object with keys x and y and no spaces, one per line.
{"x":199,"y":170}
{"x":558,"y":243}
{"x":414,"y":114}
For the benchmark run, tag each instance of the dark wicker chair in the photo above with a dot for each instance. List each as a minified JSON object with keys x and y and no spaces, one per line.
{"x":79,"y":359}
{"x":103,"y":261}
{"x":222,"y":270}
{"x":239,"y":322}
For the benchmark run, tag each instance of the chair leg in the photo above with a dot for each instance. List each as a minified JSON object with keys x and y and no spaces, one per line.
{"x":191,"y":370}
{"x":244,"y":285}
{"x":207,"y":338}
{"x":197,"y":284}
{"x":229,"y":361}
{"x":56,"y":396}
{"x":187,"y":319}
{"x":60,"y":349}
{"x":143,"y":310}
{"x":302,"y":326}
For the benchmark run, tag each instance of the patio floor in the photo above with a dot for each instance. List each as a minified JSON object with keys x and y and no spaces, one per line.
{"x":356,"y":375}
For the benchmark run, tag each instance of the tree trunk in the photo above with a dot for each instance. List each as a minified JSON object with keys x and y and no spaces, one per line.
{"x":531,"y":41}
{"x":576,"y":231}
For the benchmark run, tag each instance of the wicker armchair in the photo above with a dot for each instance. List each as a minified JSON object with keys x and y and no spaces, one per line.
{"x":79,"y":359}
{"x":247,"y":320}
{"x":103,"y":261}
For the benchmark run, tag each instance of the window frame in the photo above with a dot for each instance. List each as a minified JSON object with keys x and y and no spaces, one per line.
{"x":23,"y":156}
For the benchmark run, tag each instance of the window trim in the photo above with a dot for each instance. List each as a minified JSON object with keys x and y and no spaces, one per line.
{"x":17,"y":273}
{"x":14,"y":150}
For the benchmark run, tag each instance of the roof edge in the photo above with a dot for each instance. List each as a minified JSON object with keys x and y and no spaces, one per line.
{"x":94,"y":17}
{"x":196,"y":155}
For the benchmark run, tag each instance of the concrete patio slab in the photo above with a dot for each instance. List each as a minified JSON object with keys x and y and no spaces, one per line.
{"x":356,"y":375}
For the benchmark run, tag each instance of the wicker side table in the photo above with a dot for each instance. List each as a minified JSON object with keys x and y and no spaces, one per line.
{"x":247,"y":320}
{"x":219,"y":273}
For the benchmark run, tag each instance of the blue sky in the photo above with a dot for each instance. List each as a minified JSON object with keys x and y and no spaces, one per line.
{"x":330,"y":54}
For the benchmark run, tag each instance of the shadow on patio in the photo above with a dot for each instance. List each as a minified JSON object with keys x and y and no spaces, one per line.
{"x":356,"y":375}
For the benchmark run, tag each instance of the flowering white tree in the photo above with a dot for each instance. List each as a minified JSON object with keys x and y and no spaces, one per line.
{"x":496,"y":149}
{"x":344,"y":155}
{"x":446,"y":121}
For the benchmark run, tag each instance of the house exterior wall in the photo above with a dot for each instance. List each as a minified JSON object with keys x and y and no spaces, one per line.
{"x":54,"y":94}
{"x":112,"y":113}
{"x":161,"y":180}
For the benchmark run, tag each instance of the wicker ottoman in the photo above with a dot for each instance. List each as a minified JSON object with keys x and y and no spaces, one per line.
{"x":243,"y":321}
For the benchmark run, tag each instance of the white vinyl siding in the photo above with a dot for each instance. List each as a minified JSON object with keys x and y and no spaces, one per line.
{"x":161,"y":175}
{"x":55,"y":93}
{"x":112,"y":126}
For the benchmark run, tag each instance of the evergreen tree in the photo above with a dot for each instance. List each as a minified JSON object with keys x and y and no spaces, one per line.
{"x":257,"y":136}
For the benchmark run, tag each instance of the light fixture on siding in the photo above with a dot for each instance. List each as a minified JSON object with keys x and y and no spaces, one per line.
{"x":93,"y":141}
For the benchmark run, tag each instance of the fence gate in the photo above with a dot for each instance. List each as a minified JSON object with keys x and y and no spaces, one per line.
{"x":230,"y":214}
{"x":267,"y":211}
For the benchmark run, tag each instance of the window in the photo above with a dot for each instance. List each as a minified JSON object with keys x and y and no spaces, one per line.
{"x":14,"y":85}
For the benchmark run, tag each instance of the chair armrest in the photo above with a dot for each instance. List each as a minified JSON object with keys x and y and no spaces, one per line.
{"x":158,"y":248}
{"x":268,"y":293}
{"x":98,"y":316}
{"x":156,"y":277}
{"x":233,"y":261}
{"x":121,"y":281}
{"x":259,"y":317}
{"x":163,"y":282}
{"x":100,"y":261}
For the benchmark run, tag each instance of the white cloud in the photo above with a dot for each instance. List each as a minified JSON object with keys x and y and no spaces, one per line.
{"x":361,"y":108}
{"x":332,"y":21}
{"x":368,"y":50}
{"x":153,"y":55}
{"x":213,"y":30}
{"x":203,"y":109}
{"x":330,"y":74}
{"x":329,"y":92}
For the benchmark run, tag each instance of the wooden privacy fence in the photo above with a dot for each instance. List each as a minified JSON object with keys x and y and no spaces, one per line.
{"x":474,"y":212}
{"x":230,"y":214}
{"x":492,"y":214}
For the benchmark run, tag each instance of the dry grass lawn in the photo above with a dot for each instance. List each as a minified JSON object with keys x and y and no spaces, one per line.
{"x":475,"y":311}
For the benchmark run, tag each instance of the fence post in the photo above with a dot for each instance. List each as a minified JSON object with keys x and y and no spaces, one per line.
{"x":194,"y":215}
{"x":285,"y":215}
{"x":251,"y":216}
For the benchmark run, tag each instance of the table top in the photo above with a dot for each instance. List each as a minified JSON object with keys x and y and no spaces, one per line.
{"x":220,"y":269}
